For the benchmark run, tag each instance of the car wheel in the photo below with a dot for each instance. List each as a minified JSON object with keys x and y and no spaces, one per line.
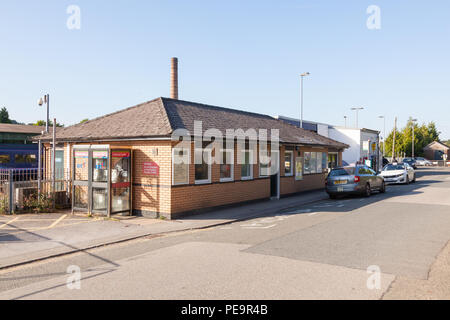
{"x":368,"y":191}
{"x":414,"y":180}
{"x":332,"y":196}
{"x":383,"y":187}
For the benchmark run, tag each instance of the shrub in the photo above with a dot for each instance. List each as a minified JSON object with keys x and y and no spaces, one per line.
{"x":38,"y":204}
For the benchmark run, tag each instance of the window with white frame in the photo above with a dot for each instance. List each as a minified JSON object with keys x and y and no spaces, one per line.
{"x":272,"y":167}
{"x":180,"y":166}
{"x":247,"y":165}
{"x":227,"y":165}
{"x":288,"y":163}
{"x":202,"y":166}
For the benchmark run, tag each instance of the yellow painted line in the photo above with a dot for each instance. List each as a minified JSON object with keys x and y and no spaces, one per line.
{"x":7,"y":223}
{"x":57,"y":221}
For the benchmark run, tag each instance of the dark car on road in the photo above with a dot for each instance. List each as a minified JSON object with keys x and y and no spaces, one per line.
{"x":411,"y":162}
{"x":354,"y":180}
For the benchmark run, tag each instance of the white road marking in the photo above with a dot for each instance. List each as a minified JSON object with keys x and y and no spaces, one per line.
{"x":312,"y":214}
{"x":9,"y":222}
{"x":57,"y":221}
{"x":258,"y":227}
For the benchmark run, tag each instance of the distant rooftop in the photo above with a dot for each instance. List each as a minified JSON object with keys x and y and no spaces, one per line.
{"x":20,"y":128}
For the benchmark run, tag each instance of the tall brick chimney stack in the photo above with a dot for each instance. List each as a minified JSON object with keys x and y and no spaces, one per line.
{"x":174,"y":79}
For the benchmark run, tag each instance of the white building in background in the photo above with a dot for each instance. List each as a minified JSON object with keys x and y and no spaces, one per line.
{"x":364,"y":143}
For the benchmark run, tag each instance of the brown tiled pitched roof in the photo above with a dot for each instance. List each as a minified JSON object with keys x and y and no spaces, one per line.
{"x":160,"y":117}
{"x":20,"y":128}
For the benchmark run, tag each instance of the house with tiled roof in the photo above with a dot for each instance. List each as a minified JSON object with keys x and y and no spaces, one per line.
{"x":138,"y":143}
{"x":169,"y":157}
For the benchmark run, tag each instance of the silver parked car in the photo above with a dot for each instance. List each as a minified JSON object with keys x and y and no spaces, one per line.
{"x":354,"y":180}
{"x":423,"y":162}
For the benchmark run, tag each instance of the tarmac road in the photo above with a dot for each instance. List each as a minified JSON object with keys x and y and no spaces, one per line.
{"x":317,"y":251}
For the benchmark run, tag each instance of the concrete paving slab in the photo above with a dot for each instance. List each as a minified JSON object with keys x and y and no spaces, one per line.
{"x":210,"y":271}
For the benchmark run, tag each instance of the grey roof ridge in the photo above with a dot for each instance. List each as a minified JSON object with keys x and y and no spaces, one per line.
{"x":220,"y":108}
{"x":253,"y":114}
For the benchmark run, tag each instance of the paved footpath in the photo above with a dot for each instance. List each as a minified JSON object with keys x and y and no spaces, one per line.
{"x":389,"y":246}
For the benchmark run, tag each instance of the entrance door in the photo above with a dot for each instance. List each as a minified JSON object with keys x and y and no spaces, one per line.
{"x":91,"y":180}
{"x":99,"y":178}
{"x":275,"y":175}
{"x":59,"y":169}
{"x":81,"y":169}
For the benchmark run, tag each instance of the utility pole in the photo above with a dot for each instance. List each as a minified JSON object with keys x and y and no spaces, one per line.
{"x":413,"y":129}
{"x":393,"y":141}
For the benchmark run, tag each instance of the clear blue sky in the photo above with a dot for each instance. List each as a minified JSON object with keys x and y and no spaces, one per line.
{"x":239,"y":54}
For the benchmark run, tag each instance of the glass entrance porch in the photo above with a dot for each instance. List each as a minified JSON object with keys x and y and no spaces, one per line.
{"x":102,"y":179}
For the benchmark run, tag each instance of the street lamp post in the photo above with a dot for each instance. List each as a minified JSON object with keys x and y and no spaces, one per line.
{"x":345,"y":121}
{"x":357,"y":109}
{"x":413,"y":129}
{"x":384,"y":134}
{"x":45,"y":99}
{"x":301,"y":112}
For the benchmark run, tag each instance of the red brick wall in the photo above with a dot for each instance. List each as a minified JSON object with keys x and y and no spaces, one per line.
{"x":156,"y":195}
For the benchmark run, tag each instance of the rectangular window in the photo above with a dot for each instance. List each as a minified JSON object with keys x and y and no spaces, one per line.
{"x":313,"y":162}
{"x":319,"y":163}
{"x":288,"y":159}
{"x":272,"y":167}
{"x":203,"y":168}
{"x":332,"y":160}
{"x":5,"y":158}
{"x":227,"y":165}
{"x":247,"y":165}
{"x":299,"y":168}
{"x":180,"y":166}
{"x":324,"y":162}
{"x":25,"y":158}
{"x":307,"y":169}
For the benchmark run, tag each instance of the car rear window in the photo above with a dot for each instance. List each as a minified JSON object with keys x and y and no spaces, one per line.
{"x":342,"y":172}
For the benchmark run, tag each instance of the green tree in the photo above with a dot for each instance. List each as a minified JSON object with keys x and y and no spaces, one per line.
{"x":423,"y":135}
{"x":50,"y":123}
{"x":4,"y":116}
{"x":84,"y":120}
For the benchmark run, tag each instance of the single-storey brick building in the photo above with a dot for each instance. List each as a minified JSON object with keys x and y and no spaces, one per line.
{"x":124,"y":162}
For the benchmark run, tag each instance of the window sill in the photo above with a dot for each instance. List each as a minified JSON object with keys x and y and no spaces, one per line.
{"x":199,"y":182}
{"x":226,"y":180}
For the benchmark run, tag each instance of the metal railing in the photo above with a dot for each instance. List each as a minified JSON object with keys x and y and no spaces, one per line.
{"x":24,"y":189}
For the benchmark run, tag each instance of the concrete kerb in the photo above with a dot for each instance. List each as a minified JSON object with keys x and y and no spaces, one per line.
{"x":59,"y":252}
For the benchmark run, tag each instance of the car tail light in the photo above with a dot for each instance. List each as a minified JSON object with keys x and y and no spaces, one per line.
{"x":357,"y":179}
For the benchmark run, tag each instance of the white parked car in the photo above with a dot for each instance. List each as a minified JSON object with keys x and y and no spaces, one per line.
{"x":395,"y":173}
{"x":423,"y":162}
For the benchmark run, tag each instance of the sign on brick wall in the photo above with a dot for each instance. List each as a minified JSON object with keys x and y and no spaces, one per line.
{"x":151,"y":169}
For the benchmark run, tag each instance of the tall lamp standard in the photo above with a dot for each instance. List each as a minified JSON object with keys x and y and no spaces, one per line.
{"x":413,"y":129}
{"x":345,"y":121}
{"x":357,"y":109}
{"x":303,"y":75}
{"x":45,"y":99}
{"x":384,"y":134}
